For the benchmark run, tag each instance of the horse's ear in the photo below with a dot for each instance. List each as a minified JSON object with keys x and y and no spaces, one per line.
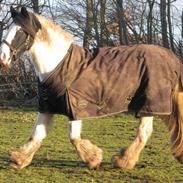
{"x":17,"y":15}
{"x":24,"y":12}
{"x":28,"y":21}
{"x":13,"y":12}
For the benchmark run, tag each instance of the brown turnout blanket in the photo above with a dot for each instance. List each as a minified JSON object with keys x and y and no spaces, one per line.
{"x":104,"y":81}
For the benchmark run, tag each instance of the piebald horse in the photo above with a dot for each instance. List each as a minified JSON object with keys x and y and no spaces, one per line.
{"x":49,"y":45}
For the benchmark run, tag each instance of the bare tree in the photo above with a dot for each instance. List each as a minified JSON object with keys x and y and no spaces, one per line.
{"x":169,"y":16}
{"x":104,"y":35}
{"x":89,"y":23}
{"x":95,"y":21}
{"x":123,"y":38}
{"x":164,"y":25}
{"x":35,"y":4}
{"x":150,"y":21}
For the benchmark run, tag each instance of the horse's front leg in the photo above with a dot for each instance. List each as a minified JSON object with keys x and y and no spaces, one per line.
{"x":88,"y":152}
{"x":129,"y":157}
{"x":23,"y":157}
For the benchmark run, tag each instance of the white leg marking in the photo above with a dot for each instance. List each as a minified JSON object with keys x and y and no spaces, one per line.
{"x":129,"y":157}
{"x":24,"y":155}
{"x":55,"y":48}
{"x":42,"y":126}
{"x":88,"y":152}
{"x":75,"y":129}
{"x":145,"y":129}
{"x":144,"y":132}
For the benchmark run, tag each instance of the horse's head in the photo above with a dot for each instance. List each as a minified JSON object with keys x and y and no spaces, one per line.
{"x":21,"y":36}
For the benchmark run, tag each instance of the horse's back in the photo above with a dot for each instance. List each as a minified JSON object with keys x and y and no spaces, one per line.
{"x":137,"y":78}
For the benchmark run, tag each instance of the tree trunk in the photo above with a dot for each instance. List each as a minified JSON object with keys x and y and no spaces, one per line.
{"x":123,"y":38}
{"x":35,"y":4}
{"x":163,"y":15}
{"x":170,"y":26}
{"x":89,"y":23}
{"x":95,"y":22}
{"x":150,"y":21}
{"x":103,"y":28}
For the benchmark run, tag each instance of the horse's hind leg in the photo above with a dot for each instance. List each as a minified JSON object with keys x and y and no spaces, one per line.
{"x":88,"y":152}
{"x":23,"y":157}
{"x":129,"y":157}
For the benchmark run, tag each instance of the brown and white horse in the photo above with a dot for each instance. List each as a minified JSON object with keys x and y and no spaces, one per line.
{"x":49,"y":44}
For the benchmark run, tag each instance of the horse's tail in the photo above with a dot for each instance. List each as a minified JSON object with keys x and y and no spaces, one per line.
{"x":175,"y":123}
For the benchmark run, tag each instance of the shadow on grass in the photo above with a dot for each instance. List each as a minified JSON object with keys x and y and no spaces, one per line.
{"x":60,"y":164}
{"x":79,"y":164}
{"x":4,"y":162}
{"x":65,"y":164}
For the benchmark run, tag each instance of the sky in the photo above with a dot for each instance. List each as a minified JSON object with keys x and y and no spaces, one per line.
{"x":177,"y":12}
{"x":179,"y":4}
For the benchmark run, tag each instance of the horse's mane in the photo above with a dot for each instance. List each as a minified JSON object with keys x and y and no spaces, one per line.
{"x":47,"y":23}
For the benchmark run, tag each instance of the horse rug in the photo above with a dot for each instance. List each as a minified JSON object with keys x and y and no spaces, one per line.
{"x":105,"y":81}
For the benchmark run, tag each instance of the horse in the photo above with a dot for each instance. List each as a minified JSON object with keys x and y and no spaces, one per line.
{"x":84,"y":83}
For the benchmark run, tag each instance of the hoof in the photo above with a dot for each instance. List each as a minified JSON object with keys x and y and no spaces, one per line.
{"x":14,"y":165}
{"x":119,"y":161}
{"x":94,"y":166}
{"x":20,"y":160}
{"x":89,"y":153}
{"x":94,"y":159}
{"x":23,"y":157}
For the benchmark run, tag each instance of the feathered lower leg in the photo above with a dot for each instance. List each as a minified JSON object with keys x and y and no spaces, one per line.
{"x":23,"y":157}
{"x":88,"y":152}
{"x":127,"y":158}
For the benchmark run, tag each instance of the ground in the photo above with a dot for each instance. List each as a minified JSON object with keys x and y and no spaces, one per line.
{"x":57,"y":161}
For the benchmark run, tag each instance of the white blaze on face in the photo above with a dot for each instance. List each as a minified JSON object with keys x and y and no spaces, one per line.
{"x":5,"y":51}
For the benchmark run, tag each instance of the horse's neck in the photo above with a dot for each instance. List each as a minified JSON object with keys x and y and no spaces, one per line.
{"x":48,"y":55}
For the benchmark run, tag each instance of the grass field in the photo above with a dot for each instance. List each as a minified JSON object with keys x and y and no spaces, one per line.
{"x":57,"y":162}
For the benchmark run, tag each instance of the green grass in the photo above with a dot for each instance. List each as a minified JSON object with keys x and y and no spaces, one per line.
{"x":57,"y":162}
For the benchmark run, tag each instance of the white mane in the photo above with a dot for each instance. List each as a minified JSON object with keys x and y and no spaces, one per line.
{"x":50,"y":46}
